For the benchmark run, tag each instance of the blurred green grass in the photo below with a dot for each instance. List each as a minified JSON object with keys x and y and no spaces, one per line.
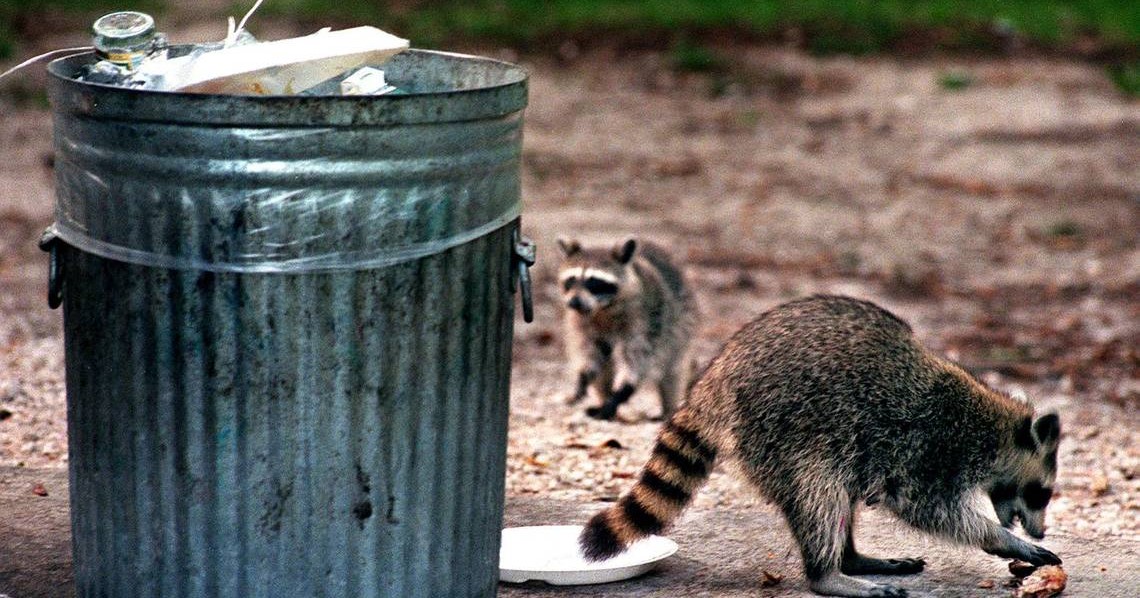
{"x":826,"y":26}
{"x":1126,"y":77}
{"x":1111,"y":27}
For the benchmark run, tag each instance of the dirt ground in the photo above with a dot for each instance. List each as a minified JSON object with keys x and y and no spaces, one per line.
{"x":1000,"y":219}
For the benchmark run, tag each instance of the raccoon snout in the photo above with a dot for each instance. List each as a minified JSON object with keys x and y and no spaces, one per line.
{"x":1032,"y":526}
{"x":575,"y":303}
{"x":1034,"y":529}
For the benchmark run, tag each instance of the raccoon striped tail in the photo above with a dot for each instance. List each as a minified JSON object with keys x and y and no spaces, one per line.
{"x":679,"y":466}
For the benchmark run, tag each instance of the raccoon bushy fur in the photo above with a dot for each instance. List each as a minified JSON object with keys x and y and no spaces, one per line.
{"x":828,"y":402}
{"x":629,"y":318}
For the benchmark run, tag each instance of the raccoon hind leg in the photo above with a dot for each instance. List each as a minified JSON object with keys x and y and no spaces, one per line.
{"x":581,"y":387}
{"x":854,"y":563}
{"x":670,"y":389}
{"x":819,"y":519}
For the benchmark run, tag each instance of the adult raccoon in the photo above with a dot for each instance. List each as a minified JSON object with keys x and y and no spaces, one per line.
{"x":827,"y":402}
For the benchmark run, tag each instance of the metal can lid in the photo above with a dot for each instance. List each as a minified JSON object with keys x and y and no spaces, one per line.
{"x":126,"y":30}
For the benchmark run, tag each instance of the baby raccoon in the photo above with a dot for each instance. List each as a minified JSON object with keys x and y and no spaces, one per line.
{"x":629,"y":318}
{"x":827,"y":402}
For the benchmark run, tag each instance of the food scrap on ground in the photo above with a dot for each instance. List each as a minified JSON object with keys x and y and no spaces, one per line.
{"x":1045,"y":582}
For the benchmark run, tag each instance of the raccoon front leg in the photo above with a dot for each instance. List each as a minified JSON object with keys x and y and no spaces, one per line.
{"x":598,"y":376}
{"x":962,"y":523}
{"x":621,"y":393}
{"x":858,"y":564}
{"x":1008,"y":546}
{"x":631,"y":360}
{"x":591,"y":362}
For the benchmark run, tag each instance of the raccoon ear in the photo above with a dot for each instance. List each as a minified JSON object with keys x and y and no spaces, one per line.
{"x":569,"y":246}
{"x":1023,"y":436}
{"x":624,"y":252}
{"x":1047,"y":430}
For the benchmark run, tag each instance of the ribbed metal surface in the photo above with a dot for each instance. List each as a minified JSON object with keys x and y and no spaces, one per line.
{"x":339,"y":430}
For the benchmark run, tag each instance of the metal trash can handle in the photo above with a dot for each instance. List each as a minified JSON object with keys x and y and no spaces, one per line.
{"x":49,"y":242}
{"x":524,"y":256}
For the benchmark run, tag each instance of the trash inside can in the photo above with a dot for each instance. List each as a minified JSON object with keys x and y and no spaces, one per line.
{"x":288,"y":332}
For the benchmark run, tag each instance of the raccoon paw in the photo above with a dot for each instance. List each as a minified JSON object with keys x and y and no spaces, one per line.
{"x":605,"y":412}
{"x":888,"y":591}
{"x":1039,"y":556}
{"x":906,"y":565}
{"x":840,"y":584}
{"x":1012,"y":547}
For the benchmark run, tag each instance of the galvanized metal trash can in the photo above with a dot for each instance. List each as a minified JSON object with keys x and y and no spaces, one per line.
{"x":288,"y":333}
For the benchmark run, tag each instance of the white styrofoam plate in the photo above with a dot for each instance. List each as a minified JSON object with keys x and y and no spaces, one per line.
{"x":550,"y":553}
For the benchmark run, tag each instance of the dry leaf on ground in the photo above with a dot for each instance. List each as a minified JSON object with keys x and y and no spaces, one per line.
{"x":771,"y":579}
